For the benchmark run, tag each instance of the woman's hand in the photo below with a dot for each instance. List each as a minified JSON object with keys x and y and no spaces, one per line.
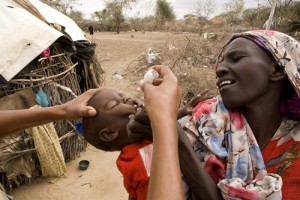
{"x":162,"y":98}
{"x":13,"y":120}
{"x":77,"y":107}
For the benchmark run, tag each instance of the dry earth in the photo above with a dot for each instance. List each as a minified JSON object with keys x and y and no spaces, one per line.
{"x":102,"y":180}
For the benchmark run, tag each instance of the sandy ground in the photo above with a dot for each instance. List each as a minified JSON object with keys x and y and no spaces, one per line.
{"x":101,"y":180}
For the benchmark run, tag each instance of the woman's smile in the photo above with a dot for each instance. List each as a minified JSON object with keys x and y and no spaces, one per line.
{"x":224,"y":83}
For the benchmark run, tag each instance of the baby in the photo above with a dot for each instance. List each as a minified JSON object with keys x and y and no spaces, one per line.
{"x":107,"y":131}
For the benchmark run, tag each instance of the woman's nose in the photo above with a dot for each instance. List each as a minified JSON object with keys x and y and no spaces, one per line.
{"x":221,"y":70}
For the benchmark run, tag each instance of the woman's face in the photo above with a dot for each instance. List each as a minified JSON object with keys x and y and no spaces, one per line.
{"x":243,"y":73}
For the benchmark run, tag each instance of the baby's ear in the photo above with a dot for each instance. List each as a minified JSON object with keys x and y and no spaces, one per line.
{"x":108,"y":135}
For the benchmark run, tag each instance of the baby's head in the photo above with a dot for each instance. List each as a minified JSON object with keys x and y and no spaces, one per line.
{"x":107,"y":130}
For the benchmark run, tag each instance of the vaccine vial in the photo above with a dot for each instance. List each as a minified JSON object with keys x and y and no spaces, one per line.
{"x":150,"y":75}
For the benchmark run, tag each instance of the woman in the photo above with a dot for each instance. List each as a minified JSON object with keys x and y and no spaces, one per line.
{"x":248,"y":137}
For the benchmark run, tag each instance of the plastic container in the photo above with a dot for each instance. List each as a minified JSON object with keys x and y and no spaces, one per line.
{"x":150,"y":75}
{"x":84,"y":164}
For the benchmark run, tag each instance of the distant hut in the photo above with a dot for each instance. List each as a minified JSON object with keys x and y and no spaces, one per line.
{"x":45,"y":61}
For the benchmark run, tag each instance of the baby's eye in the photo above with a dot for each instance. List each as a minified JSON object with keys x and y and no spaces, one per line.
{"x":112,"y":104}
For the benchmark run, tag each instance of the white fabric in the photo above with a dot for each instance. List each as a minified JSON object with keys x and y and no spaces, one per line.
{"x":53,"y":16}
{"x":146,"y":154}
{"x":24,"y":36}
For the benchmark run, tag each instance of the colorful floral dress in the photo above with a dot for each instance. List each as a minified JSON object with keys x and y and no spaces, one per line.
{"x":224,"y":142}
{"x":282,"y":156}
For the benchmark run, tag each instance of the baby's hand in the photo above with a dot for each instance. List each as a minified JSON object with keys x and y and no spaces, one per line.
{"x":139,"y":127}
{"x":188,"y":108}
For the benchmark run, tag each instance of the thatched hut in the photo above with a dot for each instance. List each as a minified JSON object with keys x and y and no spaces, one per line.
{"x":45,"y":60}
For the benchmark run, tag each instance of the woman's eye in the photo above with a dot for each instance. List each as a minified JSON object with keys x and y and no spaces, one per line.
{"x":237,"y":58}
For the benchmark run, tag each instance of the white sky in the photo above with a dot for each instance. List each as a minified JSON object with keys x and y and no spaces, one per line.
{"x":146,"y":7}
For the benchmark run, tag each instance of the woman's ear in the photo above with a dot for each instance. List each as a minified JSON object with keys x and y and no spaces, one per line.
{"x":108,"y":135}
{"x":277,"y":73}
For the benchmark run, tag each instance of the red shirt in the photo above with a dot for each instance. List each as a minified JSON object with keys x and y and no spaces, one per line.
{"x":134,"y":163}
{"x":283,"y":159}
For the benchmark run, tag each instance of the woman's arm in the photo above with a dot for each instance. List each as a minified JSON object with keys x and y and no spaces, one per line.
{"x":162,"y":103}
{"x":14,"y":120}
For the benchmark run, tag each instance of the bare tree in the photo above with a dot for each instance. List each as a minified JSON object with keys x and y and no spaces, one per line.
{"x":116,"y":10}
{"x":283,"y":3}
{"x":63,"y":6}
{"x":270,"y":21}
{"x":282,"y":13}
{"x":234,"y":9}
{"x":147,"y":8}
{"x":206,"y":9}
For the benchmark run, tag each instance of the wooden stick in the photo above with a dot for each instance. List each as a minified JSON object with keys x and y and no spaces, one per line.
{"x":16,"y":81}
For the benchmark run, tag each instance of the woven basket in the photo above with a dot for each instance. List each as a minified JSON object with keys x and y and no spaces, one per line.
{"x":48,"y":150}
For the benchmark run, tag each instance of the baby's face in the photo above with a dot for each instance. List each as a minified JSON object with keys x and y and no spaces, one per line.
{"x":114,"y":108}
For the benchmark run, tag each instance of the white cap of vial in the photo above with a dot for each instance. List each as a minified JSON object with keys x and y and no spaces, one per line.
{"x":150,"y":75}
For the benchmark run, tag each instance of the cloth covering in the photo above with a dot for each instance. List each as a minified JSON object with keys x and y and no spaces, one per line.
{"x":48,"y":150}
{"x":282,"y":155}
{"x":230,"y":153}
{"x":134,"y":162}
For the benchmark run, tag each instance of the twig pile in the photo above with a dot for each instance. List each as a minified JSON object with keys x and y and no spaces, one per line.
{"x":191,"y":58}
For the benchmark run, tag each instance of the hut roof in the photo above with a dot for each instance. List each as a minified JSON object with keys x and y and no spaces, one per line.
{"x":25,"y":33}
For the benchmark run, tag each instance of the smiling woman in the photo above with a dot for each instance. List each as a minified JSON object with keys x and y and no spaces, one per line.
{"x":251,"y":129}
{"x":244,"y":62}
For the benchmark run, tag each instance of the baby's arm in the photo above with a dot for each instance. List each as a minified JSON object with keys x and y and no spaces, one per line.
{"x":188,"y":108}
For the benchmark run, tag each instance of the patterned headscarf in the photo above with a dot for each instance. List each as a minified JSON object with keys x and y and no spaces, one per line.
{"x":285,"y":50}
